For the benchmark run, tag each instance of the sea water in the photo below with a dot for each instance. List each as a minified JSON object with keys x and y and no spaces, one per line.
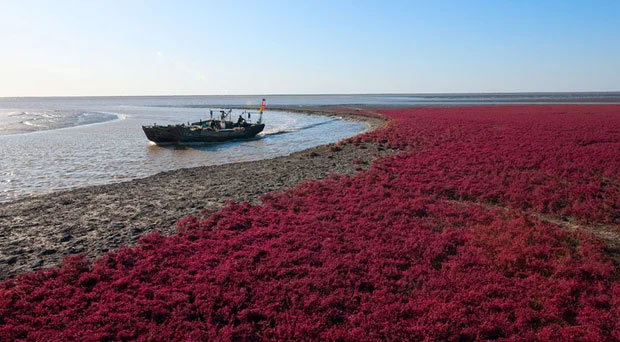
{"x":47,"y":146}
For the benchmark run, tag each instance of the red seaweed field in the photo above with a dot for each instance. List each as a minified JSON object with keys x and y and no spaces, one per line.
{"x":451,"y":239}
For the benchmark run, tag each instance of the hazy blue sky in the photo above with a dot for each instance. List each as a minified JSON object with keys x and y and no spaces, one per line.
{"x":254,"y":47}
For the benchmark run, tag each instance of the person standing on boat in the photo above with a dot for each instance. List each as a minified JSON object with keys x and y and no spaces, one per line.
{"x":262,"y":108}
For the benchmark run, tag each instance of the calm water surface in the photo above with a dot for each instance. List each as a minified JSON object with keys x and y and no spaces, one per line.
{"x":52,"y":146}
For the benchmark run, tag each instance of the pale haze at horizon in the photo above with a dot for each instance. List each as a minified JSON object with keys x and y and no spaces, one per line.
{"x":83,"y":48}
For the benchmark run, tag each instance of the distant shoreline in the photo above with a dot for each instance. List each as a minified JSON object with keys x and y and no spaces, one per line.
{"x":615,"y":92}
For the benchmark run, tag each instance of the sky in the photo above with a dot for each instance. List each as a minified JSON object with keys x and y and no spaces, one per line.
{"x":108,"y":48}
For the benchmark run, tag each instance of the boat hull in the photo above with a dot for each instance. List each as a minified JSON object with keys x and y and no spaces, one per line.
{"x":192,"y":134}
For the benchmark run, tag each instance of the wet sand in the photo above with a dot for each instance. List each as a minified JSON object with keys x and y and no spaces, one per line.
{"x":39,"y":232}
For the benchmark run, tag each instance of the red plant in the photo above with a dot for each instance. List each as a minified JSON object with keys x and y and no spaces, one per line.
{"x":561,"y":160}
{"x":408,"y":250}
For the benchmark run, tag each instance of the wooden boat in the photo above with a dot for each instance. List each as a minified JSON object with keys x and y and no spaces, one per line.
{"x":203,"y":131}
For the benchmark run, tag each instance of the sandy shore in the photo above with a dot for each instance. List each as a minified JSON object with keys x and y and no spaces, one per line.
{"x":39,"y":232}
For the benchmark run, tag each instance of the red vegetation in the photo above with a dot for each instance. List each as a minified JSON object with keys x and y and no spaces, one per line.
{"x":399,"y":252}
{"x":561,"y":160}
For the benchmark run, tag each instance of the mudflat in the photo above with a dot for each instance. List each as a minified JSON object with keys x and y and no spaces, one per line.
{"x":39,"y":232}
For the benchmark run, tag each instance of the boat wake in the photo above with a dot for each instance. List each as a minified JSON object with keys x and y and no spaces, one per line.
{"x":286,"y":131}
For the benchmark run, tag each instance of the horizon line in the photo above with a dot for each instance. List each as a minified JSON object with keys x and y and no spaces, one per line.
{"x":325,"y":94}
